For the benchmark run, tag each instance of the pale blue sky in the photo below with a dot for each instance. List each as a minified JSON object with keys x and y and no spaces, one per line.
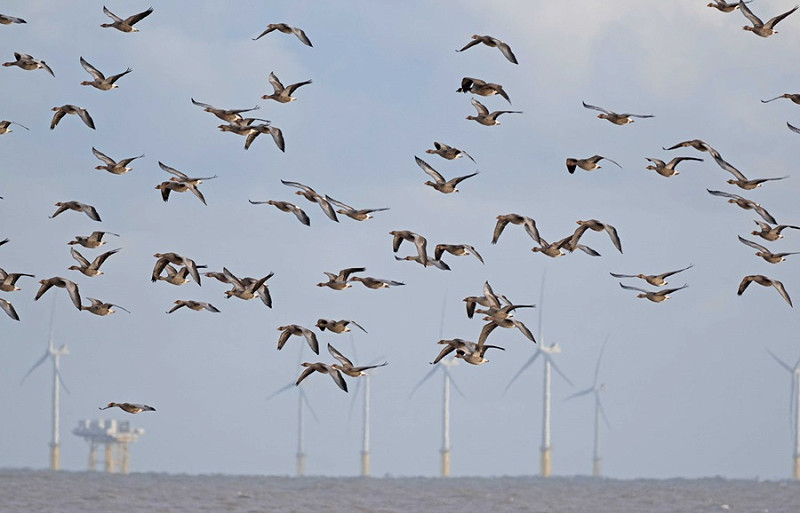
{"x":690,"y":388}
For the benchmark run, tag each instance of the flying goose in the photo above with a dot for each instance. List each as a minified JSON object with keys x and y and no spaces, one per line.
{"x":312,"y":196}
{"x":357,"y":214}
{"x":766,"y":282}
{"x":170,"y":186}
{"x":8,"y":281}
{"x":285,"y":206}
{"x":57,"y":281}
{"x":248,"y":288}
{"x":441,"y":185}
{"x":656,"y":280}
{"x":294,"y":329}
{"x":527,"y":222}
{"x":173,"y":258}
{"x":95,"y":240}
{"x":500,"y":314}
{"x":482,"y":88}
{"x":491,"y":42}
{"x":126,"y":25}
{"x":588,"y":164}
{"x":772,"y":258}
{"x":322,"y":368}
{"x":130,"y":407}
{"x":62,"y":111}
{"x":77,"y":206}
{"x":457,"y":250}
{"x":760,"y":28}
{"x":722,"y":5}
{"x":745,"y":204}
{"x":8,"y":308}
{"x":376,"y":283}
{"x":340,"y":281}
{"x":111,"y":165}
{"x":340,"y":326}
{"x":251,"y":131}
{"x":741,"y":181}
{"x":90,"y":268}
{"x":193,"y":305}
{"x":347,"y":366}
{"x":5,"y":124}
{"x":176,"y":276}
{"x":286,"y":29}
{"x":282,"y":94}
{"x":100,"y":81}
{"x":229,"y":115}
{"x":102,"y":308}
{"x":448,"y":152}
{"x":772,"y":233}
{"x":8,"y":20}
{"x":655,"y":296}
{"x":486,"y":118}
{"x":429,"y":261}
{"x":697,"y":144}
{"x":617,"y":119}
{"x":470,"y":352}
{"x":29,"y":63}
{"x":553,"y":250}
{"x":668,"y":169}
{"x":419,"y":241}
{"x":597,"y":226}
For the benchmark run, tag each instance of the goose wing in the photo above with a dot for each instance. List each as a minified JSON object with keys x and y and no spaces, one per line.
{"x":92,"y":70}
{"x":429,"y":170}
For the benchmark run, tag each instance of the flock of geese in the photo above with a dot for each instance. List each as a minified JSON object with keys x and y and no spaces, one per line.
{"x":496,"y":309}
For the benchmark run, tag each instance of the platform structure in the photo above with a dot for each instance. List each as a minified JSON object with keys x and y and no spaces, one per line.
{"x":115,"y":436}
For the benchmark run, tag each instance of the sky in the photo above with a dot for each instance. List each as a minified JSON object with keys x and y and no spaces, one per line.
{"x":690,"y":389}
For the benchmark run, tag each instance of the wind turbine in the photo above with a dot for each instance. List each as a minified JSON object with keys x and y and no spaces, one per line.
{"x":302,"y":404}
{"x":55,"y":356}
{"x":794,"y":411}
{"x":547,"y":353}
{"x":598,"y":412}
{"x":444,"y":365}
{"x":365,"y":452}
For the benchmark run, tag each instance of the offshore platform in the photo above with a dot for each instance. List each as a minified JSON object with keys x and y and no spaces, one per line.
{"x":115,"y":436}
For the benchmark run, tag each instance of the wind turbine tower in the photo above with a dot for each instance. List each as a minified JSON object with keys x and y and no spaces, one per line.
{"x":55,"y":356}
{"x":547,"y":352}
{"x":365,"y":440}
{"x":595,"y":389}
{"x":302,"y":404}
{"x":447,"y":381}
{"x":794,"y":411}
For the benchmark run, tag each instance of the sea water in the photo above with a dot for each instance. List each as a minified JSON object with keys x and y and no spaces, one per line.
{"x":36,"y":491}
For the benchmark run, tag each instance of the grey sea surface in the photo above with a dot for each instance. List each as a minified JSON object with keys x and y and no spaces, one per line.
{"x":27,"y":491}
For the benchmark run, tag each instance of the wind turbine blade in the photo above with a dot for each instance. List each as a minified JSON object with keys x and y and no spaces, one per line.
{"x":281,"y":390}
{"x":50,"y":346}
{"x":38,"y":363}
{"x":353,"y":400}
{"x":597,"y":367}
{"x":522,"y":369}
{"x":455,"y":386}
{"x":541,"y":307}
{"x":780,"y":362}
{"x":441,"y":319}
{"x":578,"y":394}
{"x":602,"y":411}
{"x":308,"y":404}
{"x":555,"y":367}
{"x":424,"y":379}
{"x":61,"y":380}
